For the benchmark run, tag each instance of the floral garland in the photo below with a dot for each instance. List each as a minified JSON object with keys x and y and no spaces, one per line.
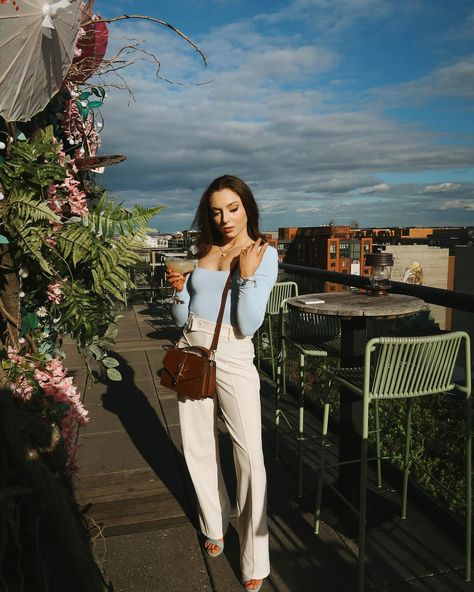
{"x":38,"y":380}
{"x":41,"y":383}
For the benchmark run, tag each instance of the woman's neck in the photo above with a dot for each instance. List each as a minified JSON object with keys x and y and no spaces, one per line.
{"x":240,"y":240}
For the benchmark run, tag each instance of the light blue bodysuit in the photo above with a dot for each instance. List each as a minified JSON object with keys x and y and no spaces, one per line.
{"x":245,"y":305}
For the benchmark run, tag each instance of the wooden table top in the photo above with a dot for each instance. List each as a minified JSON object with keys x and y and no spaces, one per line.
{"x":348,"y":304}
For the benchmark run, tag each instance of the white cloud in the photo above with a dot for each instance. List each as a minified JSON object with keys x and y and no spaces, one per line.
{"x":440,"y":187}
{"x":334,"y":16}
{"x":308,"y":210}
{"x":290,"y":63}
{"x":463,"y":31}
{"x":454,"y":80}
{"x":458,"y":204}
{"x":374,"y":189}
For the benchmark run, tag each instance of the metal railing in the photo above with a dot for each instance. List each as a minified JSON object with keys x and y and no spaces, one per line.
{"x":447,"y":298}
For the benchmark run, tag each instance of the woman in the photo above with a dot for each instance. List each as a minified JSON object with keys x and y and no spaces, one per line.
{"x":227,"y":220}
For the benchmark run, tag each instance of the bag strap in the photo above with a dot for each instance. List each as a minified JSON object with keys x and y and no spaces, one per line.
{"x":220,"y":316}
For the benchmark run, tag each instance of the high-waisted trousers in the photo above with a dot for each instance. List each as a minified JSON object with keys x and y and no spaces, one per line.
{"x":238,"y":396}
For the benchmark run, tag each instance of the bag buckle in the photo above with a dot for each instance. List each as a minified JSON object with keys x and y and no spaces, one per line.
{"x":177,"y":374}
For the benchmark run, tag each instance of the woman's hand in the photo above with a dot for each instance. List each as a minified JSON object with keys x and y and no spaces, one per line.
{"x":250,"y":258}
{"x":175,"y":279}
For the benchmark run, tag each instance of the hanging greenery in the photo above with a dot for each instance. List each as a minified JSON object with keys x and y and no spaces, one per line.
{"x":66,"y":250}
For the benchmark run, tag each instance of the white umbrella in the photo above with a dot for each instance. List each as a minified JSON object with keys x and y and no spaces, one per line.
{"x":37,"y":41}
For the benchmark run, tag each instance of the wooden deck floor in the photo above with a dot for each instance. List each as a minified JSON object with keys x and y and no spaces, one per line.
{"x":134,"y":486}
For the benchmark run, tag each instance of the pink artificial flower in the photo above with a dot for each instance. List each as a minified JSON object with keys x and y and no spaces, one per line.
{"x":22,"y":388}
{"x":13,"y":355}
{"x":73,"y":165}
{"x":55,"y":201}
{"x":76,"y":198}
{"x":62,"y":158}
{"x":53,"y":382}
{"x":54,"y":292}
{"x":56,"y":368}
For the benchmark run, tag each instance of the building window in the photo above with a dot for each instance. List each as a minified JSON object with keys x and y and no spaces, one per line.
{"x":344,"y":249}
{"x":355,"y":250}
{"x":332,"y":250}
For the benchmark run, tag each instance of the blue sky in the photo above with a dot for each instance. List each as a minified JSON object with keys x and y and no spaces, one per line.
{"x":330,"y":109}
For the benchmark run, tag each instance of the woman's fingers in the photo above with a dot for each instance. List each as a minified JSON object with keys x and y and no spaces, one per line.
{"x":255,"y":246}
{"x":262,"y":251}
{"x":175,"y":279}
{"x":251,"y":257}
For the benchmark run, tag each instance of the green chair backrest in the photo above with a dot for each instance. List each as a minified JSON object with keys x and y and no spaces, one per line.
{"x":401,"y":367}
{"x":310,"y":327}
{"x":280,"y":292}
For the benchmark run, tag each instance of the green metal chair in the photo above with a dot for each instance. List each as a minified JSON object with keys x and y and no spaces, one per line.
{"x":281,"y":291}
{"x":311,"y":335}
{"x":397,"y":368}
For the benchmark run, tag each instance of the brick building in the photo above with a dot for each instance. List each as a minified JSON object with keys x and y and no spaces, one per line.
{"x":334,"y":248}
{"x":407,"y":235}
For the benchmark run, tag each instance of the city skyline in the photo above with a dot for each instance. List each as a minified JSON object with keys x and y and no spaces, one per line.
{"x":349,"y":110}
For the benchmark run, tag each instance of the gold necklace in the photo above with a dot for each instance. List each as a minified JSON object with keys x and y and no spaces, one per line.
{"x":224,"y":253}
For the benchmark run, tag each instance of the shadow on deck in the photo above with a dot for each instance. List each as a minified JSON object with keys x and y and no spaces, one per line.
{"x":139,"y":500}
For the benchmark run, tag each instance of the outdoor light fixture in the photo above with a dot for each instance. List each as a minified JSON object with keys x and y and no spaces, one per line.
{"x":381,"y":264}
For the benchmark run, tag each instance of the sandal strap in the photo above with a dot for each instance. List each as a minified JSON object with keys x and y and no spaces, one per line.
{"x":215,"y":542}
{"x":246,"y":579}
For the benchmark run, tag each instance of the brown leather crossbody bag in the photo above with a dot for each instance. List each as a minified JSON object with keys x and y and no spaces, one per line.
{"x":191,"y":371}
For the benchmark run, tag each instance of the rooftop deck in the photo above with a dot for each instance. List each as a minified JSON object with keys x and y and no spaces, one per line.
{"x":140,"y":502}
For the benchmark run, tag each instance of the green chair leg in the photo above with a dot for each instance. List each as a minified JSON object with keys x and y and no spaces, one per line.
{"x":406,"y":459}
{"x":362,"y":517}
{"x":321,"y":476}
{"x":301,"y":427}
{"x":468,"y":488}
{"x":377,"y":443}
{"x":283,"y":367}
{"x":277,"y":407}
{"x":258,"y":344}
{"x":272,"y":352}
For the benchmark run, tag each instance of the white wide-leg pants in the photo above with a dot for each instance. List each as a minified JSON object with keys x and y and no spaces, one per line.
{"x":238,"y":395}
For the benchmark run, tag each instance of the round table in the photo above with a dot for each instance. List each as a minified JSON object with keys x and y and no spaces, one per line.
{"x":354,"y":310}
{"x":348,"y":305}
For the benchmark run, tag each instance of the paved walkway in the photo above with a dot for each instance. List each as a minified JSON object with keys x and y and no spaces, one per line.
{"x":139,"y":500}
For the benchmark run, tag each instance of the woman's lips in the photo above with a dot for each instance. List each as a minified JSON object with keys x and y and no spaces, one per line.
{"x":228,"y":229}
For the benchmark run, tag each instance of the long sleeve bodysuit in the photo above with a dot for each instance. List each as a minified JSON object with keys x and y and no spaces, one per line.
{"x":245,"y":308}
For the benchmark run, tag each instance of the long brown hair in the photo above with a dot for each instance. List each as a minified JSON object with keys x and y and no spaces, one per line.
{"x":203,"y":222}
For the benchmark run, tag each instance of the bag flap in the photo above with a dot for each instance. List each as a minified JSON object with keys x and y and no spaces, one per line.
{"x":185,"y":364}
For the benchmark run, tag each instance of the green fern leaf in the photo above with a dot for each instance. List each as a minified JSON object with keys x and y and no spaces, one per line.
{"x":76,"y":240}
{"x":31,"y":239}
{"x":110,"y":287}
{"x":24,"y":205}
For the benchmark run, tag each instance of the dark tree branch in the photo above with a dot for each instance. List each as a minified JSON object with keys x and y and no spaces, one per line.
{"x":155,"y":20}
